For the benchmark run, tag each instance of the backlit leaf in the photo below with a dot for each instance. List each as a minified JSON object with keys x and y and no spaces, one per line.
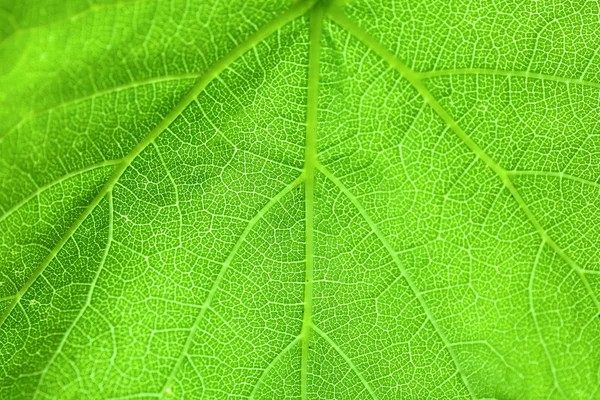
{"x":271,"y":199}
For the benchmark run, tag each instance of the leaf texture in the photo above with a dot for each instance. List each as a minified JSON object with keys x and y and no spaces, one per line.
{"x":365,"y":199}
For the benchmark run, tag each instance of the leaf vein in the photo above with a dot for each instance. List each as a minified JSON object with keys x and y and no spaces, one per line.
{"x":509,"y":74}
{"x":348,"y":361}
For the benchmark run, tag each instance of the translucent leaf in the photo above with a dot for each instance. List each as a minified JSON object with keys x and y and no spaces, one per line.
{"x":271,"y":199}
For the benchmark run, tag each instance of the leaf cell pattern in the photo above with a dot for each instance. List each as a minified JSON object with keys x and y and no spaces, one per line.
{"x":319,"y":199}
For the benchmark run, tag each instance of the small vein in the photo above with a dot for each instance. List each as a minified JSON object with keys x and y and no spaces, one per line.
{"x":144,"y":396}
{"x":71,"y":18}
{"x":559,"y":175}
{"x":175,"y":190}
{"x":497,"y":72}
{"x":91,"y":96}
{"x":347,"y":359}
{"x":47,"y":186}
{"x":535,"y":321}
{"x":493,"y":350}
{"x":273,"y":362}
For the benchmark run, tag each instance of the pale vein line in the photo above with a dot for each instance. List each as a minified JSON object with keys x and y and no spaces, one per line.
{"x":414,"y":79}
{"x":347,"y":359}
{"x":226,"y":264}
{"x":272,"y":364}
{"x":383,"y":239}
{"x":310,"y":159}
{"x":591,"y":272}
{"x":110,"y":90}
{"x":593,"y":395}
{"x":69,"y":19}
{"x":88,"y":300}
{"x":175,"y":191}
{"x":497,"y":72}
{"x":559,"y":175}
{"x":47,"y":186}
{"x":11,"y":19}
{"x":210,"y":74}
{"x":135,"y":396}
{"x":535,"y":321}
{"x":493,"y":350}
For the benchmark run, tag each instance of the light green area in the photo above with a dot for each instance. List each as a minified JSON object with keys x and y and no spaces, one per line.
{"x":299,"y":200}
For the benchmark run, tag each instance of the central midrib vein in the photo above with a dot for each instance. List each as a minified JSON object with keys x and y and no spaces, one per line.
{"x":310,"y":162}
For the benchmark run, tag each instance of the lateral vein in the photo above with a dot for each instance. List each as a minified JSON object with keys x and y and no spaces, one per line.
{"x":510,"y":74}
{"x":211,"y":73}
{"x":347,"y":359}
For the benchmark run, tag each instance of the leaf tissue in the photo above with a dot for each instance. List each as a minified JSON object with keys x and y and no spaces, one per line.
{"x":299,"y":199}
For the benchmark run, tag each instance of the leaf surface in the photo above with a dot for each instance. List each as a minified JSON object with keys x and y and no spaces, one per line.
{"x":316,"y":200}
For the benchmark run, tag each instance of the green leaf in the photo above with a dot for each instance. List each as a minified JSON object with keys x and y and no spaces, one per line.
{"x":266,"y":199}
